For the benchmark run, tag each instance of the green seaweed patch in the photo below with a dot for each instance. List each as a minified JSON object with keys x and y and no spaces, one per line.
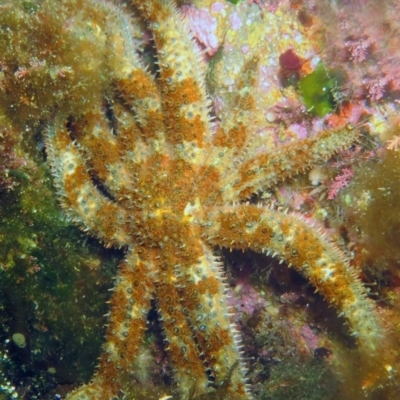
{"x":300,"y":379}
{"x":233,"y":1}
{"x":54,"y":285}
{"x":317,"y":90}
{"x":30,"y":6}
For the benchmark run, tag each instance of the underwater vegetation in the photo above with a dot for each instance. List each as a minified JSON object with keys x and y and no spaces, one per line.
{"x":281,"y":102}
{"x":316,"y":89}
{"x":48,"y":271}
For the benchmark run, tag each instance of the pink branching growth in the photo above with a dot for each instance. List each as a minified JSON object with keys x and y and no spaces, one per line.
{"x":288,"y":111}
{"x":203,"y":27}
{"x":245,"y":300}
{"x":362,"y":37}
{"x":340,"y":182}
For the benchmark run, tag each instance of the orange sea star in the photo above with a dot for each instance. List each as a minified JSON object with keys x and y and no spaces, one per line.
{"x":147,"y":173}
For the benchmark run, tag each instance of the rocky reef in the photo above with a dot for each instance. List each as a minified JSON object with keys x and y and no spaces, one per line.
{"x":55,"y":279}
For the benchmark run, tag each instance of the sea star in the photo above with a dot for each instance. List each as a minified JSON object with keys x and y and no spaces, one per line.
{"x":149,"y":174}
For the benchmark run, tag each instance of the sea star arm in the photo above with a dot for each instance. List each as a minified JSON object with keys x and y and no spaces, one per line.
{"x":112,"y":150}
{"x":201,"y":339}
{"x":129,"y":304}
{"x":134,"y":84}
{"x":265,"y":169}
{"x":300,"y":245}
{"x":204,"y":297}
{"x":240,"y":117}
{"x":78,"y":195}
{"x":189,"y":370}
{"x":184,"y":100}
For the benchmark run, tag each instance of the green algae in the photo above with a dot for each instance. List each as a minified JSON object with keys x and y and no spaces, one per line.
{"x":317,"y":91}
{"x":300,"y":379}
{"x":54,"y":285}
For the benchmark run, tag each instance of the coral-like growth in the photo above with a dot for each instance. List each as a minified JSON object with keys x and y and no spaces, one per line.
{"x":340,"y":182}
{"x":361,"y":38}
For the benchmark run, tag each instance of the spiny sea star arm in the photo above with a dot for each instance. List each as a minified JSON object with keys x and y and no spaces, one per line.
{"x":203,"y":294}
{"x":134,"y":84}
{"x":114,"y":155}
{"x":266,"y":169}
{"x":184,"y":101}
{"x":130,"y":303}
{"x":305,"y":248}
{"x":240,"y":118}
{"x":78,"y":195}
{"x":189,"y":370}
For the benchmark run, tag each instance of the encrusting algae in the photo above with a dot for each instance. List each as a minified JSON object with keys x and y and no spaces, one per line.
{"x":137,"y":163}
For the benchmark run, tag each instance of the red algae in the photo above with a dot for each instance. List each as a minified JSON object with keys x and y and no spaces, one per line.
{"x":290,"y":60}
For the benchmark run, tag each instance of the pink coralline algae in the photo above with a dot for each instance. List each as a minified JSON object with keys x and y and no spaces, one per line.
{"x":236,"y":21}
{"x":203,"y":27}
{"x":299,"y":129}
{"x":217,"y":6}
{"x":246,"y":301}
{"x":310,"y":339}
{"x":340,"y":182}
{"x":361,"y":39}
